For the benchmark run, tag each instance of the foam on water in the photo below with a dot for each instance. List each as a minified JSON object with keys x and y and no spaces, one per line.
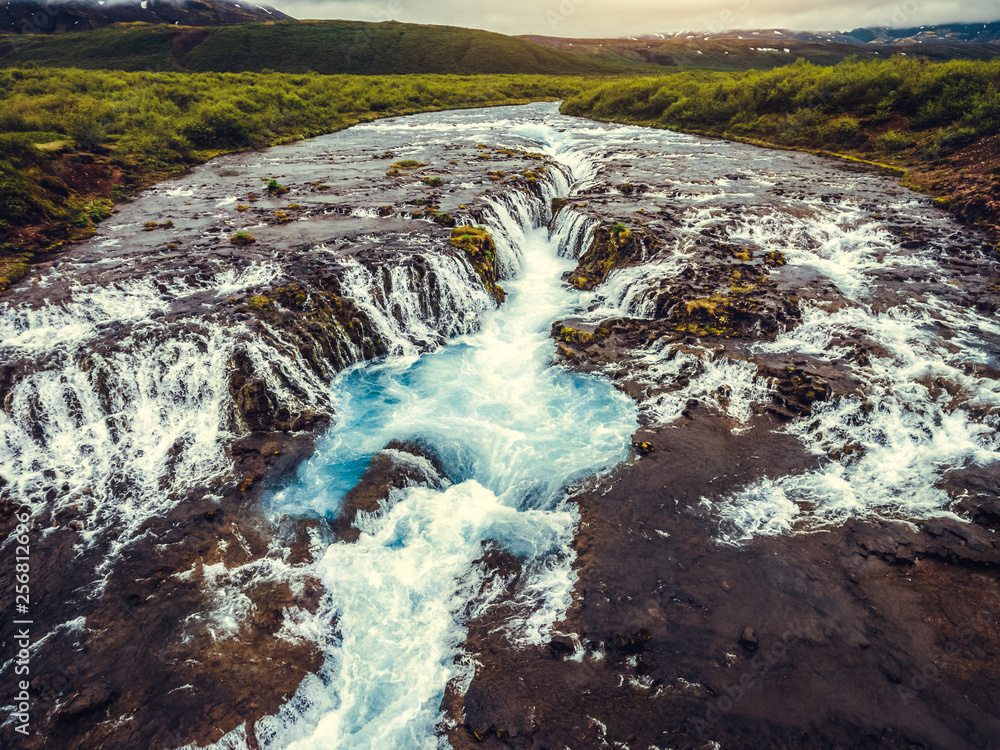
{"x":513,"y":432}
{"x":885,"y":449}
{"x":841,"y":241}
{"x":731,"y":386}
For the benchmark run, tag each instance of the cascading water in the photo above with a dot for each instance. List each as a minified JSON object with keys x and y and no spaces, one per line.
{"x":132,"y":410}
{"x":513,"y":433}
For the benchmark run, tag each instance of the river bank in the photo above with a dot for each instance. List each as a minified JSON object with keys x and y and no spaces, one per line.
{"x":811,"y":352}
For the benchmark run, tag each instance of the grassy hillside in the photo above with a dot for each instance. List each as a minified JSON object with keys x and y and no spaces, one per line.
{"x":73,"y":141}
{"x":133,"y":47}
{"x":327,"y":47}
{"x":754,"y":53}
{"x":936,"y":122}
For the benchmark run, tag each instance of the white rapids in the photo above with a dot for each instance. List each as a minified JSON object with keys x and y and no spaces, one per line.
{"x":131,"y":429}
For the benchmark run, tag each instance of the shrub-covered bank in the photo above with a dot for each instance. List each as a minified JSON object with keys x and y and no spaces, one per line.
{"x":935,"y":122}
{"x":73,"y":141}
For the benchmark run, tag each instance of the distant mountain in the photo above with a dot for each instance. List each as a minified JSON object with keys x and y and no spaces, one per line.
{"x":753,"y":34}
{"x":978,"y":33}
{"x":745,"y":50}
{"x":982,"y":33}
{"x":41,"y":17}
{"x":300,"y":47}
{"x":741,"y":49}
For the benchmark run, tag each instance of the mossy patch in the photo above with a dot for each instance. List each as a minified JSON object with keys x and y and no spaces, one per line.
{"x":481,"y":252}
{"x":241,"y":239}
{"x":12,"y":268}
{"x":612,"y":247}
{"x":275,"y":188}
{"x":149,"y":226}
{"x":409,"y":164}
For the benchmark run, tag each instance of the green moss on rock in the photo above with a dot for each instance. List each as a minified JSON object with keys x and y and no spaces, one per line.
{"x":481,"y":251}
{"x":242,"y":238}
{"x":408,"y":164}
{"x":612,"y":247}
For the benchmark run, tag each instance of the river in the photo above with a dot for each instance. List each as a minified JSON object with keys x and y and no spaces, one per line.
{"x":156,"y":378}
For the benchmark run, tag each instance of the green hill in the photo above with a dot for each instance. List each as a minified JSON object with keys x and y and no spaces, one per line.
{"x":328,"y":47}
{"x":757,"y":53}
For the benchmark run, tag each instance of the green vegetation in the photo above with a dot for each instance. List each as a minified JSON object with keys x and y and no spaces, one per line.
{"x":812,"y":106}
{"x":611,"y":248}
{"x":408,"y":164}
{"x":71,"y":141}
{"x":149,"y":226}
{"x":481,"y":252}
{"x":620,"y":232}
{"x":907,"y":114}
{"x":275,"y":188}
{"x":325,"y":47}
{"x":242,"y":238}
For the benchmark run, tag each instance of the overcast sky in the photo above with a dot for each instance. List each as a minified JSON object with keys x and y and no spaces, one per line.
{"x":611,"y":18}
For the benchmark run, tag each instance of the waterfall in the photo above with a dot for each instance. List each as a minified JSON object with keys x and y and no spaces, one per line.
{"x":418,"y":306}
{"x":512,"y":433}
{"x":118,"y":411}
{"x":573,"y":232}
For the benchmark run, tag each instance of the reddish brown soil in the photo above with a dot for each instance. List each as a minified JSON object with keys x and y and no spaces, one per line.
{"x":185,"y":41}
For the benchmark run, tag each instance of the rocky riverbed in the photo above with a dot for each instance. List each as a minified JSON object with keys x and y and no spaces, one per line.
{"x":782,"y":537}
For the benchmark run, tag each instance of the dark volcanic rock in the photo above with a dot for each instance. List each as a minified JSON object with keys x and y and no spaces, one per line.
{"x":612,"y":248}
{"x":854,"y":641}
{"x":398,"y":465}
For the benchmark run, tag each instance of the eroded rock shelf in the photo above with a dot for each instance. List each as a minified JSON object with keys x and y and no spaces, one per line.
{"x":703,"y":437}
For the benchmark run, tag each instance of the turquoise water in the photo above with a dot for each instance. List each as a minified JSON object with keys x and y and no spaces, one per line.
{"x":513,"y":431}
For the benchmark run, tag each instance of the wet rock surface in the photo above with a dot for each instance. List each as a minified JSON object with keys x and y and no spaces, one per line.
{"x":189,"y":346}
{"x":800,"y":553}
{"x":398,"y":466}
{"x":692,"y":625}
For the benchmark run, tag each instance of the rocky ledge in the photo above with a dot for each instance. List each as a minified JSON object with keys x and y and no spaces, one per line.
{"x":225,"y":301}
{"x":692,"y":626}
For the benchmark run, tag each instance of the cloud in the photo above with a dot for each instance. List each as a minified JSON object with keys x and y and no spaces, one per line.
{"x":612,"y":18}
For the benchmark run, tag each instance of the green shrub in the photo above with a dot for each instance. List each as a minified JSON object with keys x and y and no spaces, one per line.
{"x":805,"y":103}
{"x":949,"y":141}
{"x":843,"y":130}
{"x":893,"y":141}
{"x":275,"y":188}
